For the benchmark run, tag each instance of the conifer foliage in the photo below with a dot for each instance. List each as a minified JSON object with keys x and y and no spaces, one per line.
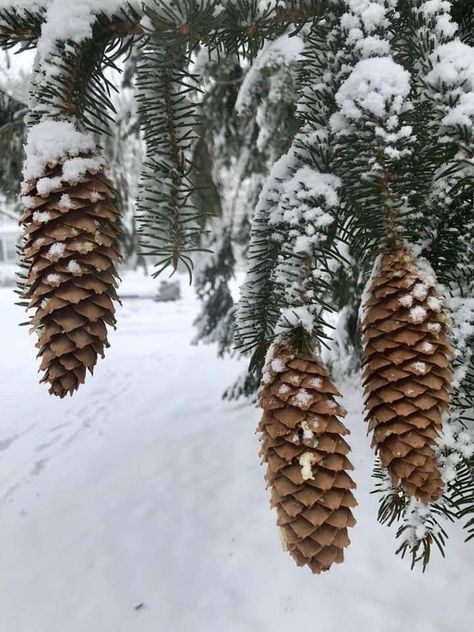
{"x":352,"y":121}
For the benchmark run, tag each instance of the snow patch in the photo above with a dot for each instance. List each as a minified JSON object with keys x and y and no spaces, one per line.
{"x":41,"y":217}
{"x":73,"y":20}
{"x":277,"y":365}
{"x":293,"y":317}
{"x":74,"y":267}
{"x":377,"y":86}
{"x":418,"y":314}
{"x":406,"y":300}
{"x":45,"y":186}
{"x":306,"y":461}
{"x":76,"y":168}
{"x":51,"y":142}
{"x":53,"y":279}
{"x":302,"y":397}
{"x":56,"y":250}
{"x":420,"y":291}
{"x":419,"y":367}
{"x":65,"y":201}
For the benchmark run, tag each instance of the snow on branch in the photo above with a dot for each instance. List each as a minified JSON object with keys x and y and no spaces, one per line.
{"x":284,"y":51}
{"x":376,"y":87}
{"x":257,"y":311}
{"x":73,"y":20}
{"x":24,"y":5}
{"x":451,"y":83}
{"x":437,"y":13}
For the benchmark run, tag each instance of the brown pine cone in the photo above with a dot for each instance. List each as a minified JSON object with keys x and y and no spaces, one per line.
{"x":303,"y":445}
{"x":70,"y":247}
{"x":407,"y":371}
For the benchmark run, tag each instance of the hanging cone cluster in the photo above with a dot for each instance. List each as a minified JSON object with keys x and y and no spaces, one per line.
{"x":70,"y":248}
{"x":303,"y":445}
{"x":407,"y":371}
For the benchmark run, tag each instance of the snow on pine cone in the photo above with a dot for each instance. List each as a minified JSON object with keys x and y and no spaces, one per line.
{"x":70,"y":247}
{"x":407,"y":371}
{"x":303,"y":446}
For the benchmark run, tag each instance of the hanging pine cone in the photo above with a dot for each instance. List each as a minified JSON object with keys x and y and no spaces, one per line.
{"x":70,"y":246}
{"x":303,"y":445}
{"x":407,"y":371}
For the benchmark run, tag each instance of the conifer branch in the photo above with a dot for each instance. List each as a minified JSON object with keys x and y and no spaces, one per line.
{"x":168,"y":218}
{"x":20,"y":27}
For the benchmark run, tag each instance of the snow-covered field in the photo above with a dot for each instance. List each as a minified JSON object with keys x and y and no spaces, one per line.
{"x":139,"y":505}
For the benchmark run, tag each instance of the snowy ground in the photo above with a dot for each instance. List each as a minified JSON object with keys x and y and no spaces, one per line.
{"x":139,"y":505}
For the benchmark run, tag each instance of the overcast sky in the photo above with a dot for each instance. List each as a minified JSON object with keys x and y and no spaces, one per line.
{"x":12,"y":65}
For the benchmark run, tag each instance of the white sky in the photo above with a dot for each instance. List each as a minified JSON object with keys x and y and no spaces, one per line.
{"x":14,"y":65}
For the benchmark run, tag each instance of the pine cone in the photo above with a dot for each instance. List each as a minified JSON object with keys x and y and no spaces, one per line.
{"x":303,"y":445}
{"x":407,"y":371}
{"x":70,"y":246}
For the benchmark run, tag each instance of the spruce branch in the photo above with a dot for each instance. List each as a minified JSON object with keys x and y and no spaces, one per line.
{"x":257,"y":313}
{"x":169,"y":221}
{"x":71,"y":82}
{"x":20,"y":27}
{"x":420,"y":527}
{"x":280,"y":285}
{"x":232,"y":27}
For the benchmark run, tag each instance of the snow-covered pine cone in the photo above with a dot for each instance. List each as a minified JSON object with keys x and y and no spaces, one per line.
{"x":303,"y":446}
{"x":70,"y":247}
{"x":407,"y":371}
